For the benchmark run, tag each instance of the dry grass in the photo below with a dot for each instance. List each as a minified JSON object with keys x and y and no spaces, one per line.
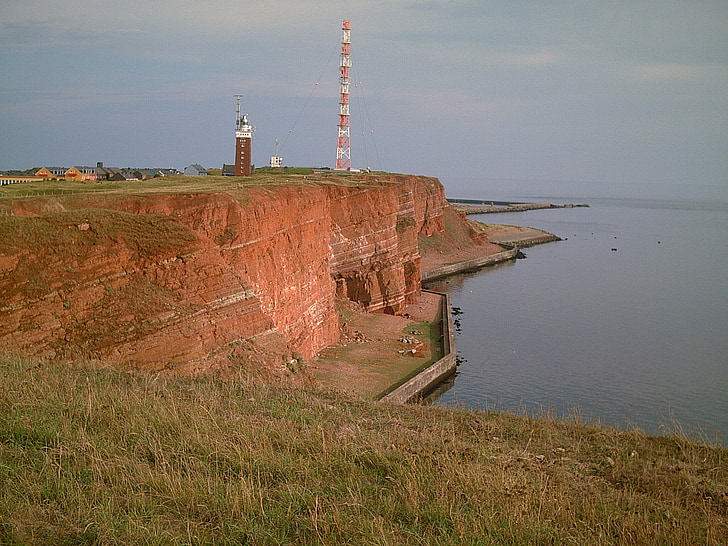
{"x":181,"y":184}
{"x":98,"y":456}
{"x":147,"y":234}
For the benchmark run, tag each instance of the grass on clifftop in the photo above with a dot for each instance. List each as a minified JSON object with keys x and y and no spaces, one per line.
{"x":66,"y":232}
{"x":97,"y":456}
{"x":183,"y":184}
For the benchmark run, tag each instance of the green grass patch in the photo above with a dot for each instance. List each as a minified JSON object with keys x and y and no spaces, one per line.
{"x":428,"y":333}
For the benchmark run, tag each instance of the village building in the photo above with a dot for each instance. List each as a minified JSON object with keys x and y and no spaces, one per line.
{"x":195,"y":170}
{"x":82,"y":174}
{"x":44,"y":173}
{"x":51,"y":172}
{"x":7,"y":179}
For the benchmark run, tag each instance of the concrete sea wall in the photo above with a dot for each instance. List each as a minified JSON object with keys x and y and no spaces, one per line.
{"x":431,"y":376}
{"x":470,"y":265}
{"x":438,"y":371}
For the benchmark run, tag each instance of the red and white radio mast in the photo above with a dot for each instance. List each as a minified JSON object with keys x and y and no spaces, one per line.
{"x":343,"y":149}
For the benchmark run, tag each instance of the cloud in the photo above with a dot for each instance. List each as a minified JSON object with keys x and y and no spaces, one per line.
{"x":483,"y":67}
{"x":454,"y":105}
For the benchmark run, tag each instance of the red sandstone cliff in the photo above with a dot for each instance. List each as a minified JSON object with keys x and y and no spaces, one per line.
{"x":172,"y":279}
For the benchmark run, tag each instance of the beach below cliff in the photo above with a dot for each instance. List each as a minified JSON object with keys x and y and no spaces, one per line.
{"x":378,"y":350}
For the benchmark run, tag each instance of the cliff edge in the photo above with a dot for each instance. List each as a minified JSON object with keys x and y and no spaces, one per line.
{"x":202,"y":280}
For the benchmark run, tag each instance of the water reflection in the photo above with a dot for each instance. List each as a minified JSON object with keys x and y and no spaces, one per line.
{"x":635,"y":336}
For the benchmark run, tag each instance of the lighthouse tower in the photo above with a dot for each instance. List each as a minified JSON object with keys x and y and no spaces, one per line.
{"x":343,"y":149}
{"x":243,"y":142}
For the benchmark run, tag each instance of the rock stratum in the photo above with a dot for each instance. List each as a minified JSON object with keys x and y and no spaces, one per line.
{"x":193,"y":281}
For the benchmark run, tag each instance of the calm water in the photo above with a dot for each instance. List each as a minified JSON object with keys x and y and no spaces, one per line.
{"x":636,"y":336}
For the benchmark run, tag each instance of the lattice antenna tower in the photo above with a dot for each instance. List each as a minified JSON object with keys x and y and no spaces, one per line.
{"x":343,"y":148}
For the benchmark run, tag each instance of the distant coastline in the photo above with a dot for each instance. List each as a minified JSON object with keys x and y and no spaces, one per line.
{"x":484,"y":206}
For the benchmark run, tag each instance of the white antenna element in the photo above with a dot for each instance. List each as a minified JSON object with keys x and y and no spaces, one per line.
{"x":276,"y":160}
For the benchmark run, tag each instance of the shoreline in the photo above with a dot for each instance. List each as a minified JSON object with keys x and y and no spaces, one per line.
{"x":429,"y":378}
{"x":366,"y":361}
{"x":476,"y":206}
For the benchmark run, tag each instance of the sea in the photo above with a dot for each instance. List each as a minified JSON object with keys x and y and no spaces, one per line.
{"x":624,"y":322}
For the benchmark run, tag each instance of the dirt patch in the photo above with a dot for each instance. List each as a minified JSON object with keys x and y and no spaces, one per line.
{"x":377,"y":350}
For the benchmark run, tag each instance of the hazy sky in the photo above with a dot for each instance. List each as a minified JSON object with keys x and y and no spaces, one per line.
{"x":621,"y":92}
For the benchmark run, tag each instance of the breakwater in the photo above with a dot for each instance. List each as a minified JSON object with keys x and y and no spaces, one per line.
{"x":470,"y":265}
{"x":484,"y":206}
{"x":526,"y":239}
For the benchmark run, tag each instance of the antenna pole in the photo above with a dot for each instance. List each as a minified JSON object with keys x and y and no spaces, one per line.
{"x":343,"y":148}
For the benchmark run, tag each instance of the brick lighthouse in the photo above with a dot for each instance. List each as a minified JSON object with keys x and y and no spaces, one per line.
{"x":243,"y":143}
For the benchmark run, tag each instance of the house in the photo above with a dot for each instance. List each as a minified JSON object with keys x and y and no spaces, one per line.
{"x":52,"y":172}
{"x":74,"y":173}
{"x":129,"y":174}
{"x":195,"y":170}
{"x":145,"y":174}
{"x":228,"y":170}
{"x":82,"y":174}
{"x":114,"y":174}
{"x":103,"y":173}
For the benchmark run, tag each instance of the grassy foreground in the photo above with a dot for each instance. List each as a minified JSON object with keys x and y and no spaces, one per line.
{"x":101,"y":456}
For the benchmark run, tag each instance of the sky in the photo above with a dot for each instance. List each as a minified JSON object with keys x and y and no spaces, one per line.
{"x":475,"y":92}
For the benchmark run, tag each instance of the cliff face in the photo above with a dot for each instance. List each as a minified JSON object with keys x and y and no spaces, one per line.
{"x":375,"y":256}
{"x":172,"y":279}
